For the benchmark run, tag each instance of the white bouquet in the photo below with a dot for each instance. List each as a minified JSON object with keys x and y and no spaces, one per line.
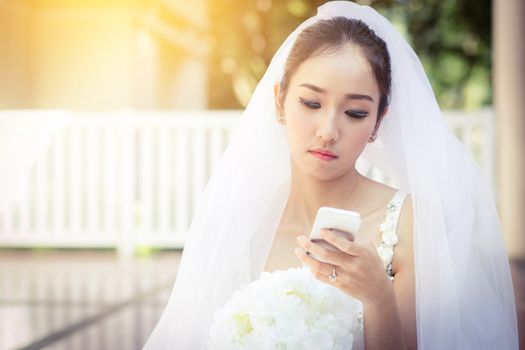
{"x":288,"y":309}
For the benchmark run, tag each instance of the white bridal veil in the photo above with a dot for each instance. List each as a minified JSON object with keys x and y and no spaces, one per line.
{"x":464,"y":295}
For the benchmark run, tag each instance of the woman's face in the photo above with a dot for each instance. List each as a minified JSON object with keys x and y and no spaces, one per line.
{"x":331,"y":105}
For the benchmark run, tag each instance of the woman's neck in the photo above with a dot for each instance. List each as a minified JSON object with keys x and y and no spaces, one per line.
{"x":307,"y":194}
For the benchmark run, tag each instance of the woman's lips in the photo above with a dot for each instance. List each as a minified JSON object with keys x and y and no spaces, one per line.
{"x":322,"y":156}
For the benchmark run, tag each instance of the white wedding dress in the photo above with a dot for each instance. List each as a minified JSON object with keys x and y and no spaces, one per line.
{"x":385,"y":251}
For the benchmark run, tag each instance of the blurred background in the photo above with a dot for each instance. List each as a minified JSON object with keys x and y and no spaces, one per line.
{"x":114,"y":112}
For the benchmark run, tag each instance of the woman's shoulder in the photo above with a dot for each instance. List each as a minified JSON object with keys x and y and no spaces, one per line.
{"x":403,"y":251}
{"x":381,"y":193}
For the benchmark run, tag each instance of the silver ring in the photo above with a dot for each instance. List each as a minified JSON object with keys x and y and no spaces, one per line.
{"x":333,"y":276}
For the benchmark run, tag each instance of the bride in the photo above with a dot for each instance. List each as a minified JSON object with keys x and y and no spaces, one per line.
{"x":345,"y":95}
{"x":331,"y":101}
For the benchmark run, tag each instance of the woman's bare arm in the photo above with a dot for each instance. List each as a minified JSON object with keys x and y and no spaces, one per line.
{"x":391,"y":323}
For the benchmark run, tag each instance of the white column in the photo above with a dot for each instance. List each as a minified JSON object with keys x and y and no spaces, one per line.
{"x":509,"y":100}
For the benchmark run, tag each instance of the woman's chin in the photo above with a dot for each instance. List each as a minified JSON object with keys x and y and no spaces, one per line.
{"x":324,"y":175}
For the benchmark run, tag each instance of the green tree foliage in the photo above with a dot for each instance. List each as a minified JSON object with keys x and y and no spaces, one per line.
{"x":451,"y":37}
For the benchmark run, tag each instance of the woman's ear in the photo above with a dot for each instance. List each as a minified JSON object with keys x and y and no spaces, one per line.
{"x":278,"y":106}
{"x":378,"y":123}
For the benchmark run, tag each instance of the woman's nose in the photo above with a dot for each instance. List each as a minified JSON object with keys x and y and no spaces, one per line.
{"x":327,"y":128}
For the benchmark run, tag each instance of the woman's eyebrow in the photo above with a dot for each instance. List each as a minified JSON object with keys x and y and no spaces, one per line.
{"x":349,"y":96}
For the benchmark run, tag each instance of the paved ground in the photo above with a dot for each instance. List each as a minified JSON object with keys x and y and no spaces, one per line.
{"x":93,"y":300}
{"x":81,"y":300}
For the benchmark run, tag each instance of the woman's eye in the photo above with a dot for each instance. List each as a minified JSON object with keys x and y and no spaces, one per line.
{"x":309,"y":104}
{"x":356,"y":114}
{"x":315,"y":105}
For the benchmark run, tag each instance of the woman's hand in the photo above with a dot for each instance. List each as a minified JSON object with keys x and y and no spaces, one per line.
{"x":359,"y":269}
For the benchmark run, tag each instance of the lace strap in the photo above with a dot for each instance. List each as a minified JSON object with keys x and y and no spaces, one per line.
{"x":389,"y":231}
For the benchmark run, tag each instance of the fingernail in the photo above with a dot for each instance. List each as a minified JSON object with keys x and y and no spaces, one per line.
{"x":302,"y":239}
{"x":298,"y":251}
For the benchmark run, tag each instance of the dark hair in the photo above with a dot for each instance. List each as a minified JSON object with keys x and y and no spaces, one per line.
{"x":328,"y":36}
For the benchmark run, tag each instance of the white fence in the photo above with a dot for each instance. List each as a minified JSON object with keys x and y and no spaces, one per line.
{"x":133,"y":179}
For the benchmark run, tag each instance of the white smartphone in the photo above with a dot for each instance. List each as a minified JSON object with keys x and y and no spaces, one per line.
{"x":339,"y":219}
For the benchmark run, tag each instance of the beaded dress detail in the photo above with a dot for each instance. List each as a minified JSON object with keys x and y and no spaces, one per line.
{"x":389,"y":232}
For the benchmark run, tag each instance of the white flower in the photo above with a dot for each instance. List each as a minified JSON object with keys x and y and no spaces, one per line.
{"x":286,"y":310}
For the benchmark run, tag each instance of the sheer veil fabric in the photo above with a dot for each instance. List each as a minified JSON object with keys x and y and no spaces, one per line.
{"x":464,"y":295}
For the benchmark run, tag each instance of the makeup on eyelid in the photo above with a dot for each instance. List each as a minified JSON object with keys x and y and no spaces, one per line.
{"x":316,"y":105}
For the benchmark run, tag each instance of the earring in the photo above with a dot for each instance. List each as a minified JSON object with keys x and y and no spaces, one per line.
{"x":281,"y":118}
{"x":372,"y":138}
